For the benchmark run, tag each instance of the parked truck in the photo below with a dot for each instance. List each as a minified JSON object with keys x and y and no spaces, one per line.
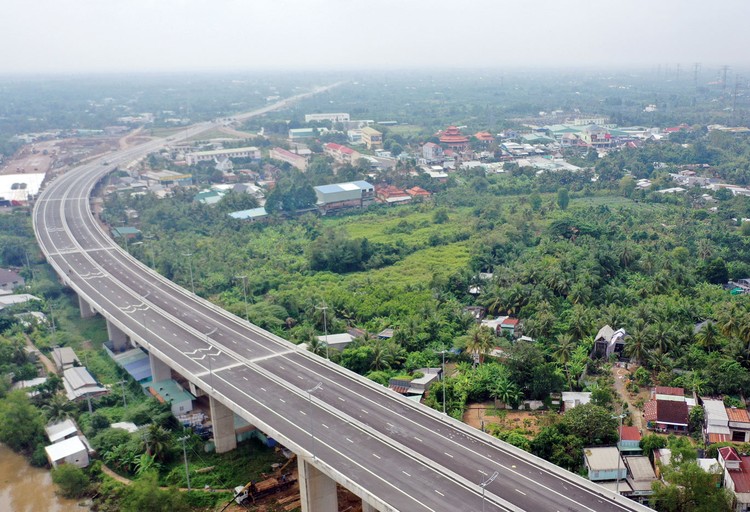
{"x":255,"y":490}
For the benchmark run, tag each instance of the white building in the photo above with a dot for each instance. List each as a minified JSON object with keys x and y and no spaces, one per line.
{"x":339,"y":117}
{"x":218,"y":154}
{"x":60,"y":431}
{"x":70,"y":451}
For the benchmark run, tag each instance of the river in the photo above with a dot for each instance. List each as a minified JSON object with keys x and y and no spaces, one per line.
{"x":24,"y":488}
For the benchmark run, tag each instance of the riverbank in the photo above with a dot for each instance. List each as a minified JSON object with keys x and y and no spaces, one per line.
{"x":24,"y":488}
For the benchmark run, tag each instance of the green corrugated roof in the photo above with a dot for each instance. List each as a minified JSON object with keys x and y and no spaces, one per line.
{"x":171,"y":391}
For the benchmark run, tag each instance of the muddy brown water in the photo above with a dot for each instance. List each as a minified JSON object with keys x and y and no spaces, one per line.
{"x":24,"y":488}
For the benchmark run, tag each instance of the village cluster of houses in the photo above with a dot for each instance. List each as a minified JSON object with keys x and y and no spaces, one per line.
{"x":623,"y":467}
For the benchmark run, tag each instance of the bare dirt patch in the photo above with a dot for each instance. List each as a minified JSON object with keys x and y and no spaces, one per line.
{"x":531,"y":422}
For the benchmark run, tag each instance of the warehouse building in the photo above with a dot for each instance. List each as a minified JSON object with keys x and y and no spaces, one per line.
{"x":342,"y":196}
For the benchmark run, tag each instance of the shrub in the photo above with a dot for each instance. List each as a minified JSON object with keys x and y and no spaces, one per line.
{"x":71,"y":480}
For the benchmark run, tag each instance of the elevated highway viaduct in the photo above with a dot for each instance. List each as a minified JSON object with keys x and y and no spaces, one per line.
{"x":395,"y":454}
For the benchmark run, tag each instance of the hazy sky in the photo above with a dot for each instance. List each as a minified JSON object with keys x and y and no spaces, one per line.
{"x":41,"y":36}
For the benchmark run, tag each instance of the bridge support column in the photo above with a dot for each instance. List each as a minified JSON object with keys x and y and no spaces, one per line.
{"x":119,"y":338}
{"x":159,"y":369}
{"x":86,"y":310}
{"x":222,"y":420}
{"x":317,"y":491}
{"x":366,"y":507}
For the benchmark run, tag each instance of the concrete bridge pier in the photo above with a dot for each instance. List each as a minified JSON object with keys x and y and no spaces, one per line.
{"x":317,"y":490}
{"x":222,"y":420}
{"x":159,"y":369}
{"x":86,"y":310}
{"x":119,"y":338}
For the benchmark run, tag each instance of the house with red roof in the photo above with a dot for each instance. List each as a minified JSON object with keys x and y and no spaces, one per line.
{"x":418,"y":192}
{"x":484,"y":137}
{"x":736,"y":476}
{"x":630,"y":440}
{"x":678,"y":128}
{"x":668,"y":393}
{"x":739,"y":424}
{"x":391,"y":195}
{"x":510,"y":325}
{"x":666,"y":415}
{"x":341,"y":154}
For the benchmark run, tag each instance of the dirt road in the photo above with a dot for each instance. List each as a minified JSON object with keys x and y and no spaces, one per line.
{"x":621,"y":377}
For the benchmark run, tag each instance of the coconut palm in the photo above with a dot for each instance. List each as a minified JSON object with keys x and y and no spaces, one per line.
{"x":708,"y":337}
{"x":59,"y":408}
{"x":635,"y":344}
{"x":564,"y":349}
{"x":479,"y":340}
{"x":157,"y":441}
{"x":382,"y":355}
{"x":506,"y":392}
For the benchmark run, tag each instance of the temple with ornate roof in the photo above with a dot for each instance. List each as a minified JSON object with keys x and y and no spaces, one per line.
{"x":485,"y":137}
{"x":454,"y":139}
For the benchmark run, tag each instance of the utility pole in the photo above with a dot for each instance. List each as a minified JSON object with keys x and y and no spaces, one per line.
{"x":244,"y":293}
{"x":28,"y":265}
{"x":325,"y":325}
{"x":189,"y":256}
{"x":619,"y":453}
{"x":184,"y":455}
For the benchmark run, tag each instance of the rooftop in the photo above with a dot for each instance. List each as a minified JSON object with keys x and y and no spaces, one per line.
{"x":738,"y":415}
{"x":728,"y":453}
{"x":741,"y":478}
{"x":667,"y":390}
{"x":641,"y":469}
{"x":8,"y":276}
{"x":630,"y":433}
{"x":58,"y":451}
{"x":64,"y":356}
{"x":57,"y":431}
{"x":602,"y":459}
{"x":252,"y":213}
{"x":230,"y":151}
{"x":169,"y":391}
{"x":78,"y":382}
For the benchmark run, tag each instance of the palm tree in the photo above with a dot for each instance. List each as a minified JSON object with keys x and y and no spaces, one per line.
{"x":707,"y":337}
{"x":157,"y":440}
{"x":382,"y":355}
{"x":659,"y":361}
{"x":506,"y":392}
{"x":627,"y":255}
{"x":635,"y":345}
{"x":578,"y":322}
{"x":316,"y":346}
{"x":662,"y":337}
{"x":59,"y":408}
{"x":479,"y":341}
{"x":564,"y":349}
{"x":729,"y":320}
